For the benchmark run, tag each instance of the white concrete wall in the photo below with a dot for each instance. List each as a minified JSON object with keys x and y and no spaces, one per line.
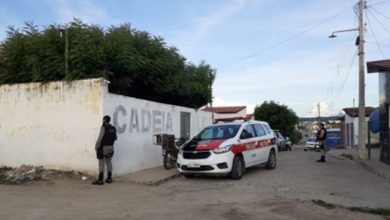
{"x":137,"y":121}
{"x":355,"y":121}
{"x":54,"y":124}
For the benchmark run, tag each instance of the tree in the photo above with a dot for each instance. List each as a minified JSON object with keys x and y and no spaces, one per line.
{"x":279,"y":117}
{"x":136,"y":63}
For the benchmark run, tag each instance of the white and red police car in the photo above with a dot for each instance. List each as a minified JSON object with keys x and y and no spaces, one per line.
{"x":228,"y":148}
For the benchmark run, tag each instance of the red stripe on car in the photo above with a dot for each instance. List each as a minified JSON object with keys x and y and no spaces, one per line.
{"x":241,"y":147}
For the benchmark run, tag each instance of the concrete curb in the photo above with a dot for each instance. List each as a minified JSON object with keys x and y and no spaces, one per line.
{"x":378,"y":170}
{"x":154,"y":176}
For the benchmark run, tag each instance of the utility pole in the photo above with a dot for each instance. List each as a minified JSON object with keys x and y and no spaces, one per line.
{"x":362,"y":114}
{"x":319,"y":112}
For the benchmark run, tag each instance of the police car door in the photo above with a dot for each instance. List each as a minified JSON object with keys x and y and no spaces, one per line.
{"x":262,"y":144}
{"x":248,"y":139}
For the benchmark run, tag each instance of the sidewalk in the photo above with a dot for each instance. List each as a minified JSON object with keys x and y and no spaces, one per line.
{"x":151,"y":177}
{"x":374,"y":165}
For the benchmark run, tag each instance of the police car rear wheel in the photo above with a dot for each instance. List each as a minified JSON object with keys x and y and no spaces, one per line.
{"x":237,"y":168}
{"x":271,"y":163}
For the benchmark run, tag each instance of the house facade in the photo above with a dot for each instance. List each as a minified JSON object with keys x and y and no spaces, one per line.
{"x":351,"y":124}
{"x":383,"y":68}
{"x":226,"y":113}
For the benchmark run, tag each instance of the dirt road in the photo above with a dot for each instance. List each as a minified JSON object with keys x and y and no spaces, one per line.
{"x":284,"y":193}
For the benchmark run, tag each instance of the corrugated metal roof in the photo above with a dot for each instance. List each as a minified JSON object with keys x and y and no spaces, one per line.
{"x":354,"y":112}
{"x":378,"y":66}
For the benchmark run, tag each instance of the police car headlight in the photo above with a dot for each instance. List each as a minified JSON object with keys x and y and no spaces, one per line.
{"x":223,"y":149}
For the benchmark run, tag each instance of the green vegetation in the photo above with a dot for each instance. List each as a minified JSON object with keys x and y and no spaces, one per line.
{"x":136,"y":63}
{"x":375,"y":211}
{"x":280,"y":117}
{"x":324,"y":204}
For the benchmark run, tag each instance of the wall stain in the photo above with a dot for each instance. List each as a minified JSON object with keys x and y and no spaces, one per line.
{"x":94,"y":99}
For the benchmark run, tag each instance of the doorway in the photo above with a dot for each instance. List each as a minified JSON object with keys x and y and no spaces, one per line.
{"x":185,"y":125}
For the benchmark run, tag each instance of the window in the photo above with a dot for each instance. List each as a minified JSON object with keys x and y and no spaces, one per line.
{"x":218,"y":132}
{"x":248,"y":132}
{"x":267,"y":128}
{"x":206,"y":134}
{"x":259,"y":130}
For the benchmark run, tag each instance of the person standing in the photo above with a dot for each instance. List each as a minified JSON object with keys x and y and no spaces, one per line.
{"x":321,"y":137}
{"x":105,"y":150}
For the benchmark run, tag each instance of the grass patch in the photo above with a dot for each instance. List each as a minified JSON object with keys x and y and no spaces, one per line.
{"x":348,"y":156}
{"x":324,"y":204}
{"x":375,"y":211}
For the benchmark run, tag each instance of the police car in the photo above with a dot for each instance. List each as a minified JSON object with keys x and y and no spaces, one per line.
{"x":228,"y":148}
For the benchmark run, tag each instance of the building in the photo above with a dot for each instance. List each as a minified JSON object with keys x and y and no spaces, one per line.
{"x":383,"y":68}
{"x":351,"y":122}
{"x":226,"y":113}
{"x":308,"y":126}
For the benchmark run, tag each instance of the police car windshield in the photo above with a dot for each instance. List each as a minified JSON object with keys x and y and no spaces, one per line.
{"x":218,"y":132}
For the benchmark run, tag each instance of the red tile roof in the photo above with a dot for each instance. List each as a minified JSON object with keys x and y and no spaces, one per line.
{"x":224,"y":109}
{"x":354,"y":112}
{"x":378,"y":66}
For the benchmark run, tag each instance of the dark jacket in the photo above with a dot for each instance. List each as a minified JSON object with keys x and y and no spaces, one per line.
{"x":106,"y":139}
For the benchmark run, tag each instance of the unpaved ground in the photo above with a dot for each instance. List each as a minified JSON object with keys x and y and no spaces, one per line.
{"x":283,"y":193}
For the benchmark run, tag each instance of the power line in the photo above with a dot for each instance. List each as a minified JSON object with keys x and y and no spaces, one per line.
{"x":372,"y":8}
{"x":384,"y":44}
{"x":341,"y":57}
{"x":373,"y":33}
{"x":381,"y":2}
{"x":286,"y":40}
{"x":346,"y":76}
{"x":379,"y":21}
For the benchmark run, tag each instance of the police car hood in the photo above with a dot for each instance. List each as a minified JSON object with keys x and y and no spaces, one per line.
{"x":202,"y":145}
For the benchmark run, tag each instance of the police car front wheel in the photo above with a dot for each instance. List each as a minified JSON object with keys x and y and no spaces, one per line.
{"x":237,"y":168}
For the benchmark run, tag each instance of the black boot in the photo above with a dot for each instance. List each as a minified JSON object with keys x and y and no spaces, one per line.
{"x":100,"y":179}
{"x":322,"y":160}
{"x":109,"y":178}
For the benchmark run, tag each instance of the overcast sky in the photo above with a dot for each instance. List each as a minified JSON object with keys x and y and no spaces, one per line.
{"x":262,"y":49}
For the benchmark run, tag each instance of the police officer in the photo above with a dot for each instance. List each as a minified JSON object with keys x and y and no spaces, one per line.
{"x":321,"y":137}
{"x":105,"y":150}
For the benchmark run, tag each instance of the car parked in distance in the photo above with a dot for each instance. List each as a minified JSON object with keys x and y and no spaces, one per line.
{"x":280,"y":141}
{"x":311,"y":144}
{"x":228,"y":148}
